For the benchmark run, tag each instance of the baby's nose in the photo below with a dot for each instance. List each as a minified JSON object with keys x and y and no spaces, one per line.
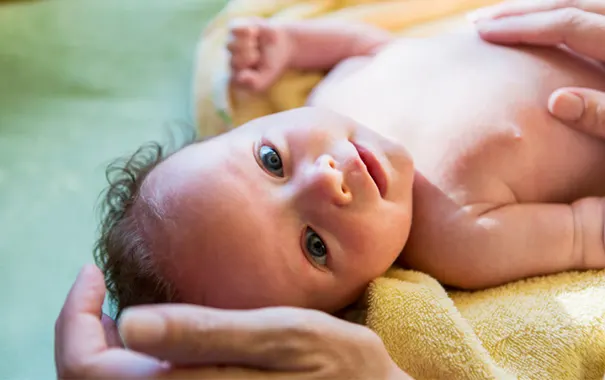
{"x":326,"y":181}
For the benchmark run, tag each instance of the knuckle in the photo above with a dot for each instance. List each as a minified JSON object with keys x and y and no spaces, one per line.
{"x":299,"y":324}
{"x":295,"y":330}
{"x":193,"y":326}
{"x":281,"y":345}
{"x":571,"y":17}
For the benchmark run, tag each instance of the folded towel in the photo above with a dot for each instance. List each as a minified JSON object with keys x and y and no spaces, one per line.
{"x":543,"y":328}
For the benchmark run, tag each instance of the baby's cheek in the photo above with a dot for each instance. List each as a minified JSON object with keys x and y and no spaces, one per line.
{"x":371,"y":254}
{"x":382,"y":244}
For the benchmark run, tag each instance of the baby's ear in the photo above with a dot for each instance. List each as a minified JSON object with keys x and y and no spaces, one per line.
{"x":112,"y":336}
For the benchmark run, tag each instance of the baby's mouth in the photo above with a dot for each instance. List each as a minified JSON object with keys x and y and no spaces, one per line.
{"x":374,"y":168}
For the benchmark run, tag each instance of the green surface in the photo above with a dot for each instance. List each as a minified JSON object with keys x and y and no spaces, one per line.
{"x":81,"y":82}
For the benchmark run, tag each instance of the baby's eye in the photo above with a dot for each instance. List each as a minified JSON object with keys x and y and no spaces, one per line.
{"x":271,"y":160}
{"x":315,"y":247}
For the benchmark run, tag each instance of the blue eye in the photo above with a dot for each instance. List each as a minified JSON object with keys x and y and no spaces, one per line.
{"x":315,"y":247}
{"x":271,"y":160}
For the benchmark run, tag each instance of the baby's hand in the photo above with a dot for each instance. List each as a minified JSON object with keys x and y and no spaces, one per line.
{"x":260,"y":52}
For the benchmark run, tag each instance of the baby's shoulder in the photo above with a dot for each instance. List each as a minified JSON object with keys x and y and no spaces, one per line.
{"x":465,"y":171}
{"x":442,"y":199}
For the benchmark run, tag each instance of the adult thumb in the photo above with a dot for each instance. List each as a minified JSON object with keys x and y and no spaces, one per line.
{"x":580,"y":108}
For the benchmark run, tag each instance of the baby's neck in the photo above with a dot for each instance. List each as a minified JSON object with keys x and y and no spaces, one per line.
{"x":424,"y":193}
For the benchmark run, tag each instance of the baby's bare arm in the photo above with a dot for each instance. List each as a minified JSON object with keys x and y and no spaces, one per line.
{"x":261,"y":50}
{"x":517,"y":241}
{"x":321,"y":44}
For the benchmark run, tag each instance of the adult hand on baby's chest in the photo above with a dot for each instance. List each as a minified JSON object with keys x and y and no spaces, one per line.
{"x":578,"y":25}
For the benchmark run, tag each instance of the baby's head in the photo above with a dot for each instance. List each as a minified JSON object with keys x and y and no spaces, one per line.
{"x":302,"y":208}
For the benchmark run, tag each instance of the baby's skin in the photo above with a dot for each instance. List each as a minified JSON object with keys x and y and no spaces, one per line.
{"x":305,"y":208}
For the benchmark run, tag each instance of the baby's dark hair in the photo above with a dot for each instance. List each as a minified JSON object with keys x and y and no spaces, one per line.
{"x":123,"y":251}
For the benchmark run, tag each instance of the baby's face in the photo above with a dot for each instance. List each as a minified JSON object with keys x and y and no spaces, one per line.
{"x":302,"y":208}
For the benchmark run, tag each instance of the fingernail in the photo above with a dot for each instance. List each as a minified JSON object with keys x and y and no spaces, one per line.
{"x":141,"y":328}
{"x":473,"y":16}
{"x":478,"y":15}
{"x":567,"y":106}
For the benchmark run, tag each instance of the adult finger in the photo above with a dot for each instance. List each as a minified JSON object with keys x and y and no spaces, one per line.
{"x":581,"y":31}
{"x":231,"y":373}
{"x":81,"y":349}
{"x":78,"y":330}
{"x":273,"y":338}
{"x":521,"y":7}
{"x":580,"y":108}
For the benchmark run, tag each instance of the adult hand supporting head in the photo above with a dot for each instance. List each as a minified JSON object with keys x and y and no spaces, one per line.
{"x":579,"y":25}
{"x":297,"y":343}
{"x":186,"y":342}
{"x":83,"y":350}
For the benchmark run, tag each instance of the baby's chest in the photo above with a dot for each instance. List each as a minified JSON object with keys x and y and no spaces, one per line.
{"x":350,"y":91}
{"x":474,"y":130}
{"x":533,"y":160}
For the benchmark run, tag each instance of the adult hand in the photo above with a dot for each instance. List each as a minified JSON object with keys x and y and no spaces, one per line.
{"x":81,"y":347}
{"x":579,"y":25}
{"x":83,"y":350}
{"x":186,"y":342}
{"x":287,"y":343}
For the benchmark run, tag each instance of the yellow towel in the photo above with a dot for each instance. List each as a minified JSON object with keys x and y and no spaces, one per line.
{"x":542,"y":328}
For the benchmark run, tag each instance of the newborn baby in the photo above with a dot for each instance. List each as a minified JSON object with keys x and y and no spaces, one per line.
{"x":304,"y":208}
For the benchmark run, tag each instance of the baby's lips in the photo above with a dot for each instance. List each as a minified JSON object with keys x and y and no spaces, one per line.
{"x":373,"y":167}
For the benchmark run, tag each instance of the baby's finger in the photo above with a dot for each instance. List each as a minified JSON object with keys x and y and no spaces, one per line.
{"x":248,"y":79}
{"x":245,"y":59}
{"x":581,"y":31}
{"x":273,"y":339}
{"x":521,"y":7}
{"x":245,"y":28}
{"x":78,"y":330}
{"x":236,"y":46}
{"x":580,"y":108}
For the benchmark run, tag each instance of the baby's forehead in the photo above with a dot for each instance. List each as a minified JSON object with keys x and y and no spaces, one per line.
{"x":227,"y":245}
{"x":205,"y":183}
{"x":199,"y":161}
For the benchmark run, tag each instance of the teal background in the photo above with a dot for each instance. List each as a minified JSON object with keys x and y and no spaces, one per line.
{"x":81,"y":82}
